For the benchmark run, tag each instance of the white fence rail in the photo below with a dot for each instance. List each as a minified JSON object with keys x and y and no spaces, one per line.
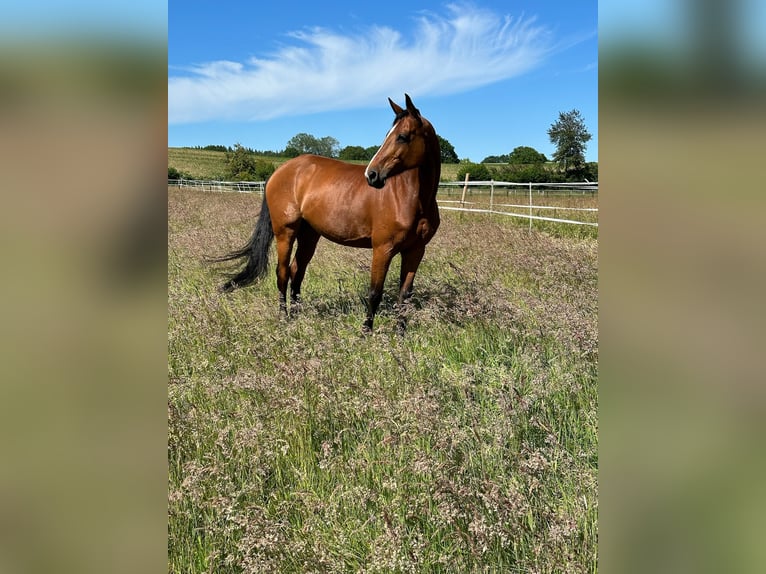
{"x":582,"y":187}
{"x":523,"y":215}
{"x":506,"y":186}
{"x":585,"y":187}
{"x":212,"y":185}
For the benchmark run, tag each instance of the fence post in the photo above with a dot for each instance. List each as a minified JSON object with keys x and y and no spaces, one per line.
{"x":465,"y":187}
{"x":491,"y":194}
{"x":530,"y":206}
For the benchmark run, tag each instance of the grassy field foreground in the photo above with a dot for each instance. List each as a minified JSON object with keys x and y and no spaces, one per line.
{"x":470,"y":444}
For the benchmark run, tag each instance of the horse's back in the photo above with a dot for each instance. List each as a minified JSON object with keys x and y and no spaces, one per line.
{"x":331,"y":195}
{"x":312,"y":172}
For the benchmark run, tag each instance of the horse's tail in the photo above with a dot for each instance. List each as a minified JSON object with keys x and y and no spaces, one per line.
{"x":255,"y":253}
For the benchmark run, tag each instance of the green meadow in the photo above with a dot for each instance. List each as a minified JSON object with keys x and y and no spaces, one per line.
{"x":470,"y":444}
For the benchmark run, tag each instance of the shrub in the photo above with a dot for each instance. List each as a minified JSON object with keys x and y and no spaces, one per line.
{"x":475,"y":171}
{"x":173,"y":173}
{"x":263,"y":169}
{"x":526,"y":155}
{"x":241,"y":165}
{"x":536,"y":173}
{"x":355,"y":152}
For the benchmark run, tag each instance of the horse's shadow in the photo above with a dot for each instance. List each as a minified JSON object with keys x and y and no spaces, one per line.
{"x":454,"y":302}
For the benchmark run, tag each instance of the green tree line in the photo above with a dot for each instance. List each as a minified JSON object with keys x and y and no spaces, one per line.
{"x":523,"y":163}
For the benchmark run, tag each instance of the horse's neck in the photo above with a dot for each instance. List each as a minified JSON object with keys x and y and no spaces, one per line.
{"x":428,"y":175}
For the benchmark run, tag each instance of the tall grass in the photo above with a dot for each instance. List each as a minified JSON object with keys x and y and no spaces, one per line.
{"x":300,"y":445}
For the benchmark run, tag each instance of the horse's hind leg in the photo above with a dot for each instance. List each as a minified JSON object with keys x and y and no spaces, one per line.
{"x":285,"y":238}
{"x":307,"y":243}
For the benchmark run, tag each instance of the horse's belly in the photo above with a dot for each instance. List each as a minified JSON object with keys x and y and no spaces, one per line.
{"x":339,"y":222}
{"x":363,"y":242}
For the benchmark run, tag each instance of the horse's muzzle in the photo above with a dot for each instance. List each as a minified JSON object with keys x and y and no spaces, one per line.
{"x":374,"y":179}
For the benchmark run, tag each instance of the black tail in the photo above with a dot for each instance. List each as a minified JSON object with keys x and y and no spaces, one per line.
{"x":255,"y":253}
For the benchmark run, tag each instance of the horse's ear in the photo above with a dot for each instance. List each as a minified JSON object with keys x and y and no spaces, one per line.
{"x":411,"y":107}
{"x":395,"y":107}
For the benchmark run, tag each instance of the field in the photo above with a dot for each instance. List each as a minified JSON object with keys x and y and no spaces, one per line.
{"x":207,"y":164}
{"x":468,"y":445}
{"x":198,"y":163}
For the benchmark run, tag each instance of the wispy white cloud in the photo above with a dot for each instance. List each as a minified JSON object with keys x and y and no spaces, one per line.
{"x":325,"y":70}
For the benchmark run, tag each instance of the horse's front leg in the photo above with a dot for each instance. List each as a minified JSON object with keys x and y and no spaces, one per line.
{"x":381,"y":260}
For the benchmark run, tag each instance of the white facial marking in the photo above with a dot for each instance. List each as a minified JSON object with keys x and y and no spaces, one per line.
{"x":377,"y":152}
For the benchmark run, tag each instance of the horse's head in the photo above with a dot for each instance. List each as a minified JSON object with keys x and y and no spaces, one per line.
{"x":405,"y":146}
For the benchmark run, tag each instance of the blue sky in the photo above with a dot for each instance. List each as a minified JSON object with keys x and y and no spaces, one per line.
{"x":490,"y":75}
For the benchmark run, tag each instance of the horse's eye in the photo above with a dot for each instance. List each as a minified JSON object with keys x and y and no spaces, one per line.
{"x":403,"y":138}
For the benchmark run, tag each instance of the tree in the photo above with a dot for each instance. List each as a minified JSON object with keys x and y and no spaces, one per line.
{"x":448,"y":151}
{"x":291,"y":152}
{"x":526,"y":155}
{"x":329,"y":146}
{"x":242,"y":165}
{"x":354,"y":152}
{"x":570,"y":137}
{"x":526,"y":172}
{"x":306,"y":143}
{"x":371,"y":151}
{"x":496,"y":159}
{"x":475,"y":171}
{"x":263,"y":169}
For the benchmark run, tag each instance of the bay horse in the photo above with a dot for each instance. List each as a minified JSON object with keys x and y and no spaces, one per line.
{"x":388,"y":206}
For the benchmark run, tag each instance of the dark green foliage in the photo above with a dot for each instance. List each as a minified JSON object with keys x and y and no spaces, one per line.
{"x":371,"y":150}
{"x":222,"y":148}
{"x":570,"y":137}
{"x":306,"y":143}
{"x":496,"y":159}
{"x":355,"y":152}
{"x":535,"y":173}
{"x":526,"y":155}
{"x":591,"y":171}
{"x":173,"y":173}
{"x":475,"y":171}
{"x":448,"y":151}
{"x":263,"y":169}
{"x":242,"y":165}
{"x":587,"y":171}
